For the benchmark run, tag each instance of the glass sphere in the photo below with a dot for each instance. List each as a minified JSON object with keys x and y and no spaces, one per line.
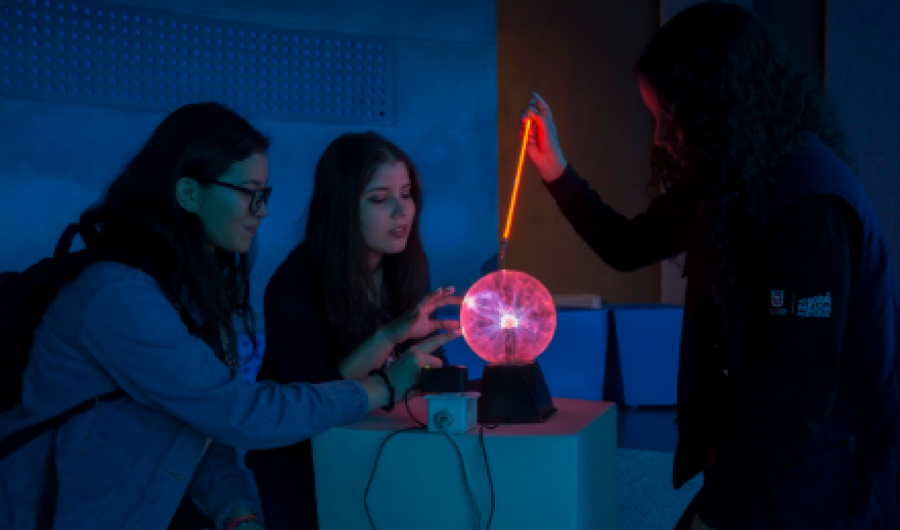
{"x":508,"y":317}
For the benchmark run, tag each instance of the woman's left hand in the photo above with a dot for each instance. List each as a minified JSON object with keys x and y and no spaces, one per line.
{"x":419,"y":324}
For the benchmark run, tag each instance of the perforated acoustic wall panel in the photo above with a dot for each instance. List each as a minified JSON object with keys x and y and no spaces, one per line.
{"x":103,"y":54}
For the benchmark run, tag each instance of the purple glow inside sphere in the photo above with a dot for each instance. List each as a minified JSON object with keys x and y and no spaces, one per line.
{"x":508,"y":317}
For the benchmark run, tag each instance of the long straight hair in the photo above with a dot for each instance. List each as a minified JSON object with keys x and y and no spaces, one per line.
{"x":139,"y":216}
{"x":337,"y":254}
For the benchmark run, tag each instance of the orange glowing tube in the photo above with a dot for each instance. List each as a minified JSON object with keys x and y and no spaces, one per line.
{"x":515,"y":193}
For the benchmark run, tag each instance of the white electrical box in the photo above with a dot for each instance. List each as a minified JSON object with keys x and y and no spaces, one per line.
{"x":458,"y":411}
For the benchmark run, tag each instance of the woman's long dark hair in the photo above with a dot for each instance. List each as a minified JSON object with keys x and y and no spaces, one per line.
{"x":139,"y":216}
{"x":337,"y":253}
{"x":741,"y":104}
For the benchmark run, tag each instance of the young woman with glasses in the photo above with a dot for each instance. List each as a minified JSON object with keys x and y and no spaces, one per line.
{"x":183,"y":214}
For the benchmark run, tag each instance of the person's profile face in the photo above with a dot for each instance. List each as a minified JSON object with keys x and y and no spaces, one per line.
{"x":665,"y":133}
{"x":386,"y":210}
{"x":225,"y":213}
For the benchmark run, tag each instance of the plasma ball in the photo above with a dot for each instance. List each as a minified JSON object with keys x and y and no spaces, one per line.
{"x":508,"y":317}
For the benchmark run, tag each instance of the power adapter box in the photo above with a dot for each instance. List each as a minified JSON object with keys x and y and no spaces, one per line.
{"x":455,"y":412}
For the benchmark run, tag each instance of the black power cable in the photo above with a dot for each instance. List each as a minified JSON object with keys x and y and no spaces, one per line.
{"x":381,"y":448}
{"x":487,"y":466}
{"x":408,"y":410}
{"x":490,"y":480}
{"x":375,"y":468}
{"x":424,"y":426}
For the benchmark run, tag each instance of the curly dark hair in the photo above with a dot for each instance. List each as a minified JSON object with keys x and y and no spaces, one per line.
{"x":740,"y":104}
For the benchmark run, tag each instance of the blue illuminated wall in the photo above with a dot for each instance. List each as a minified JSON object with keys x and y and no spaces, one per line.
{"x":82,"y":85}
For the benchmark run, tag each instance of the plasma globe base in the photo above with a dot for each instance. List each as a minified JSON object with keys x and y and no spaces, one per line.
{"x":508,"y":318}
{"x":514,"y":393}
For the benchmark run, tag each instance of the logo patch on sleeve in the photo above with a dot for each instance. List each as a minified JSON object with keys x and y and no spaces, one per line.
{"x":815,"y":306}
{"x":777,"y":303}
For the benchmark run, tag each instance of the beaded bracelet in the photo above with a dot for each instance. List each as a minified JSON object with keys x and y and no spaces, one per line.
{"x":392,"y":393}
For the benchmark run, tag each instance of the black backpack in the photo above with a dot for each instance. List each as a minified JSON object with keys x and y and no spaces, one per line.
{"x":24,"y":298}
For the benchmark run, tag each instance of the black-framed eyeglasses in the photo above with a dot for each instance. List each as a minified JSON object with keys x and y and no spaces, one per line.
{"x":257,"y":197}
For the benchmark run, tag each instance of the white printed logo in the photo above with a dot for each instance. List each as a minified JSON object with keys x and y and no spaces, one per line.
{"x":815,"y":306}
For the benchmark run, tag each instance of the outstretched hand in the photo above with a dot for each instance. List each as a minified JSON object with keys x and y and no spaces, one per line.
{"x":407,"y":371}
{"x":543,"y":143}
{"x":418,"y":323}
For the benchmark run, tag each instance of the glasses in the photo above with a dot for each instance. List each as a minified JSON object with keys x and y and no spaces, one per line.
{"x":257,"y":197}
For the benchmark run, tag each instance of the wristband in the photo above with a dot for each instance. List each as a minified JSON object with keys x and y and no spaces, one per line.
{"x":392,"y":393}
{"x":241,"y":520}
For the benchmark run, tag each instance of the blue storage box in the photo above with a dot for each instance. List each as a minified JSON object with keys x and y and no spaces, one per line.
{"x":644,"y":354}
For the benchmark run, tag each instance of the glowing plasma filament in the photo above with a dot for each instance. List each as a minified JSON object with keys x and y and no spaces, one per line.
{"x":509,"y":322}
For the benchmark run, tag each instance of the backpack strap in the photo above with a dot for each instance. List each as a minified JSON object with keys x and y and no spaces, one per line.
{"x":23,"y":436}
{"x":64,"y":243}
{"x":49,"y":491}
{"x":62,"y":251}
{"x":76,"y":264}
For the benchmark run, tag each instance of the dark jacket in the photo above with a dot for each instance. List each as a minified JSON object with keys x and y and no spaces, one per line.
{"x":802,"y":371}
{"x":300,"y":347}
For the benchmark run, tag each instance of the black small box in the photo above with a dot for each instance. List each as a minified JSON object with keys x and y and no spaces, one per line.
{"x":445,"y":379}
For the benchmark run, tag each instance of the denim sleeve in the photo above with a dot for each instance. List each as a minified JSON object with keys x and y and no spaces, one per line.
{"x":220,"y":486}
{"x":134,"y":333}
